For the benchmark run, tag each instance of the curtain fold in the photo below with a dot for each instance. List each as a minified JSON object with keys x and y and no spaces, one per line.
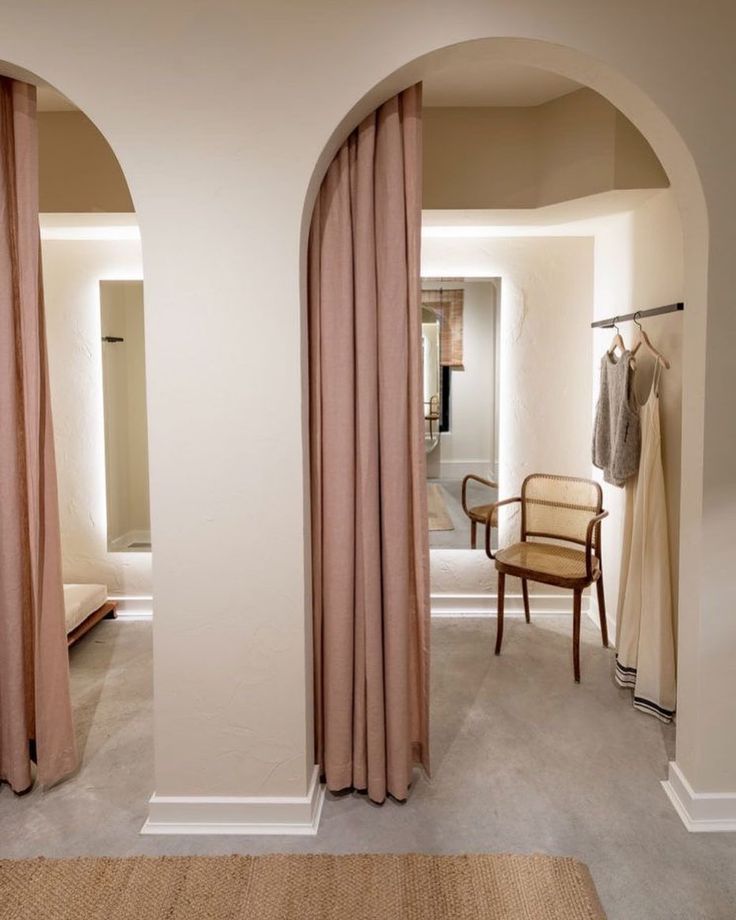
{"x":369,"y":517}
{"x":35,"y":708}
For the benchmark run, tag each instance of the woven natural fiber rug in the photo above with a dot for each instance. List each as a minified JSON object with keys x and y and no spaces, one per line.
{"x":287,"y":887}
{"x":439,"y":519}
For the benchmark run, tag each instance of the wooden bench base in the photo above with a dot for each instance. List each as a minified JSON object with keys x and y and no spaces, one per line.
{"x":106,"y":612}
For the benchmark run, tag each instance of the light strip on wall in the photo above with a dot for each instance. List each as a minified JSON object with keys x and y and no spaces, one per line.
{"x":131,"y":232}
{"x":573,"y":228}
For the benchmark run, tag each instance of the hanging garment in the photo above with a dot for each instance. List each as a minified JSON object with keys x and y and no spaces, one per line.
{"x":645,"y":657}
{"x":616,"y":431}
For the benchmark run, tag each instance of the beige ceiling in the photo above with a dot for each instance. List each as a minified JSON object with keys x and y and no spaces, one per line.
{"x":51,"y":100}
{"x":493,"y":83}
{"x":464,"y":83}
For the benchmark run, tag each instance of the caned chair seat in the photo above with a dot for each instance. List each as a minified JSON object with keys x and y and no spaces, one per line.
{"x":479,"y":513}
{"x":547,"y":563}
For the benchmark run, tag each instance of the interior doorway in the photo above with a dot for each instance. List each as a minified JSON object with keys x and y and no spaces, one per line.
{"x":92,"y":274}
{"x":569,"y":248}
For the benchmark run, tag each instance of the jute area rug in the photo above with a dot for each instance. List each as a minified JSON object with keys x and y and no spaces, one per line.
{"x":439,"y":518}
{"x":405,"y":887}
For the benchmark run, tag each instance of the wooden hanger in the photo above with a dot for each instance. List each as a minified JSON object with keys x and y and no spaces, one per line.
{"x":617,"y":342}
{"x":645,"y":340}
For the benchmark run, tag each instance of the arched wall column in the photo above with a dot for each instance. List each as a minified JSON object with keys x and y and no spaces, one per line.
{"x":218,"y":119}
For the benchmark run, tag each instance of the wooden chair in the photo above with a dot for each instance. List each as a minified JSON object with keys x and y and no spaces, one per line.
{"x":432,"y":412}
{"x":555,"y":508}
{"x":478,"y":514}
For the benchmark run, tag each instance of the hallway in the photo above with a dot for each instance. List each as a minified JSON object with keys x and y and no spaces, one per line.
{"x":524,"y":761}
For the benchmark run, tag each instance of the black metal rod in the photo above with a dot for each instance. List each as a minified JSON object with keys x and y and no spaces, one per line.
{"x":640,"y":314}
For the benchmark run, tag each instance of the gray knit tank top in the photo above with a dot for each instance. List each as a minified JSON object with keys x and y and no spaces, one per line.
{"x":616,"y":432}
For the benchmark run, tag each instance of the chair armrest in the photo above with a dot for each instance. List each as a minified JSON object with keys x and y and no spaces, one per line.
{"x":506,"y":501}
{"x":484,"y":482}
{"x":593,"y":525}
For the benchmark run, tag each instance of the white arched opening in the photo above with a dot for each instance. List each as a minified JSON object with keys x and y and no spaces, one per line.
{"x":681,"y":169}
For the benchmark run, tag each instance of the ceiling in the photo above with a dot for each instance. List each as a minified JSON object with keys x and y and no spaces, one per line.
{"x":577,"y":217}
{"x":493,"y":83}
{"x":462,"y":83}
{"x":51,"y":100}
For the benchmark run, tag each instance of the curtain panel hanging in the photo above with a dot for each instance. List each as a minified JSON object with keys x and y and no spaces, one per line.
{"x":370,"y":554}
{"x":35,"y":708}
{"x":448,"y":305}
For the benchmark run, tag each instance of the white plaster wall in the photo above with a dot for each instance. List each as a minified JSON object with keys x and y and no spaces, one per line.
{"x":546,"y":305}
{"x":639,"y":264}
{"x":72,"y":270}
{"x":545,"y":387}
{"x":223,"y":121}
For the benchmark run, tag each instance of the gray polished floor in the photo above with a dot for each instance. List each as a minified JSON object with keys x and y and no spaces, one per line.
{"x":523,"y":761}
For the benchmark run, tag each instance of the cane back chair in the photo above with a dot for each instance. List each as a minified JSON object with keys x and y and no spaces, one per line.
{"x":478,"y":514}
{"x":566,"y":510}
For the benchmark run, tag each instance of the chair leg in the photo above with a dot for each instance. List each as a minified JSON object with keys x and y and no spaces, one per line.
{"x":602,"y":611}
{"x":525,"y":593}
{"x":473,"y":532}
{"x":499,"y":617}
{"x":577,"y":603}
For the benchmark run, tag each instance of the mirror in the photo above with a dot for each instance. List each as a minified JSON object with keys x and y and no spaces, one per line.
{"x":126,"y":424}
{"x":432,"y":377}
{"x":459,"y":338}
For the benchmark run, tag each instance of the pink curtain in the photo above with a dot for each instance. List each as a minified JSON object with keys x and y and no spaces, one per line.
{"x":35,"y":709}
{"x":369,"y":517}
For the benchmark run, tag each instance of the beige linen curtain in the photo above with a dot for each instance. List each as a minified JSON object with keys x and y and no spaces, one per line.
{"x":369,"y":517}
{"x":35,"y":710}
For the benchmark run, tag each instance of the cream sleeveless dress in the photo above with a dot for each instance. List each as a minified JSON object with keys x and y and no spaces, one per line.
{"x":645,"y":656}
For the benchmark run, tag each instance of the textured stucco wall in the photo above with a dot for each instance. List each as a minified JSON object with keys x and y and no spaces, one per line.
{"x":545,"y":384}
{"x":639,"y":264}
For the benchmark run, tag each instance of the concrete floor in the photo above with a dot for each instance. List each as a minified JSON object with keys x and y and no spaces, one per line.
{"x":523,"y":761}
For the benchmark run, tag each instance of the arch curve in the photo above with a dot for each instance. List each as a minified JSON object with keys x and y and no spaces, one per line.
{"x":617,"y":88}
{"x":106,"y":155}
{"x":681,"y":167}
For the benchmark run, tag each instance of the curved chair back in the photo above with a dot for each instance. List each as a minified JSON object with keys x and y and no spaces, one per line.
{"x":559,"y":507}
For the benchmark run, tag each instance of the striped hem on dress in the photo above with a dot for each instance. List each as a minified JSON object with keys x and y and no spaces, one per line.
{"x":626,"y":677}
{"x":664,"y":715}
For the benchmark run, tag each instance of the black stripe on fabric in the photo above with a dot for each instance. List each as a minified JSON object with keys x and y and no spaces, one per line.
{"x":650,"y":705}
{"x":622,"y":667}
{"x":626,"y":682}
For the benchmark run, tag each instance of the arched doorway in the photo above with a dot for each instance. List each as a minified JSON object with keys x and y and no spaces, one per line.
{"x":679,"y":165}
{"x":93,"y":284}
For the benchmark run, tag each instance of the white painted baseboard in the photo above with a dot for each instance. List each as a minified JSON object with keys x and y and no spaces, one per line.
{"x":138,"y":607}
{"x":459,"y":469}
{"x":244,"y":815}
{"x":592,"y":613}
{"x":484,"y":605}
{"x":700,"y":811}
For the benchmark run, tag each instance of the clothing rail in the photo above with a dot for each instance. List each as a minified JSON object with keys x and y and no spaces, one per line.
{"x":640,"y":314}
